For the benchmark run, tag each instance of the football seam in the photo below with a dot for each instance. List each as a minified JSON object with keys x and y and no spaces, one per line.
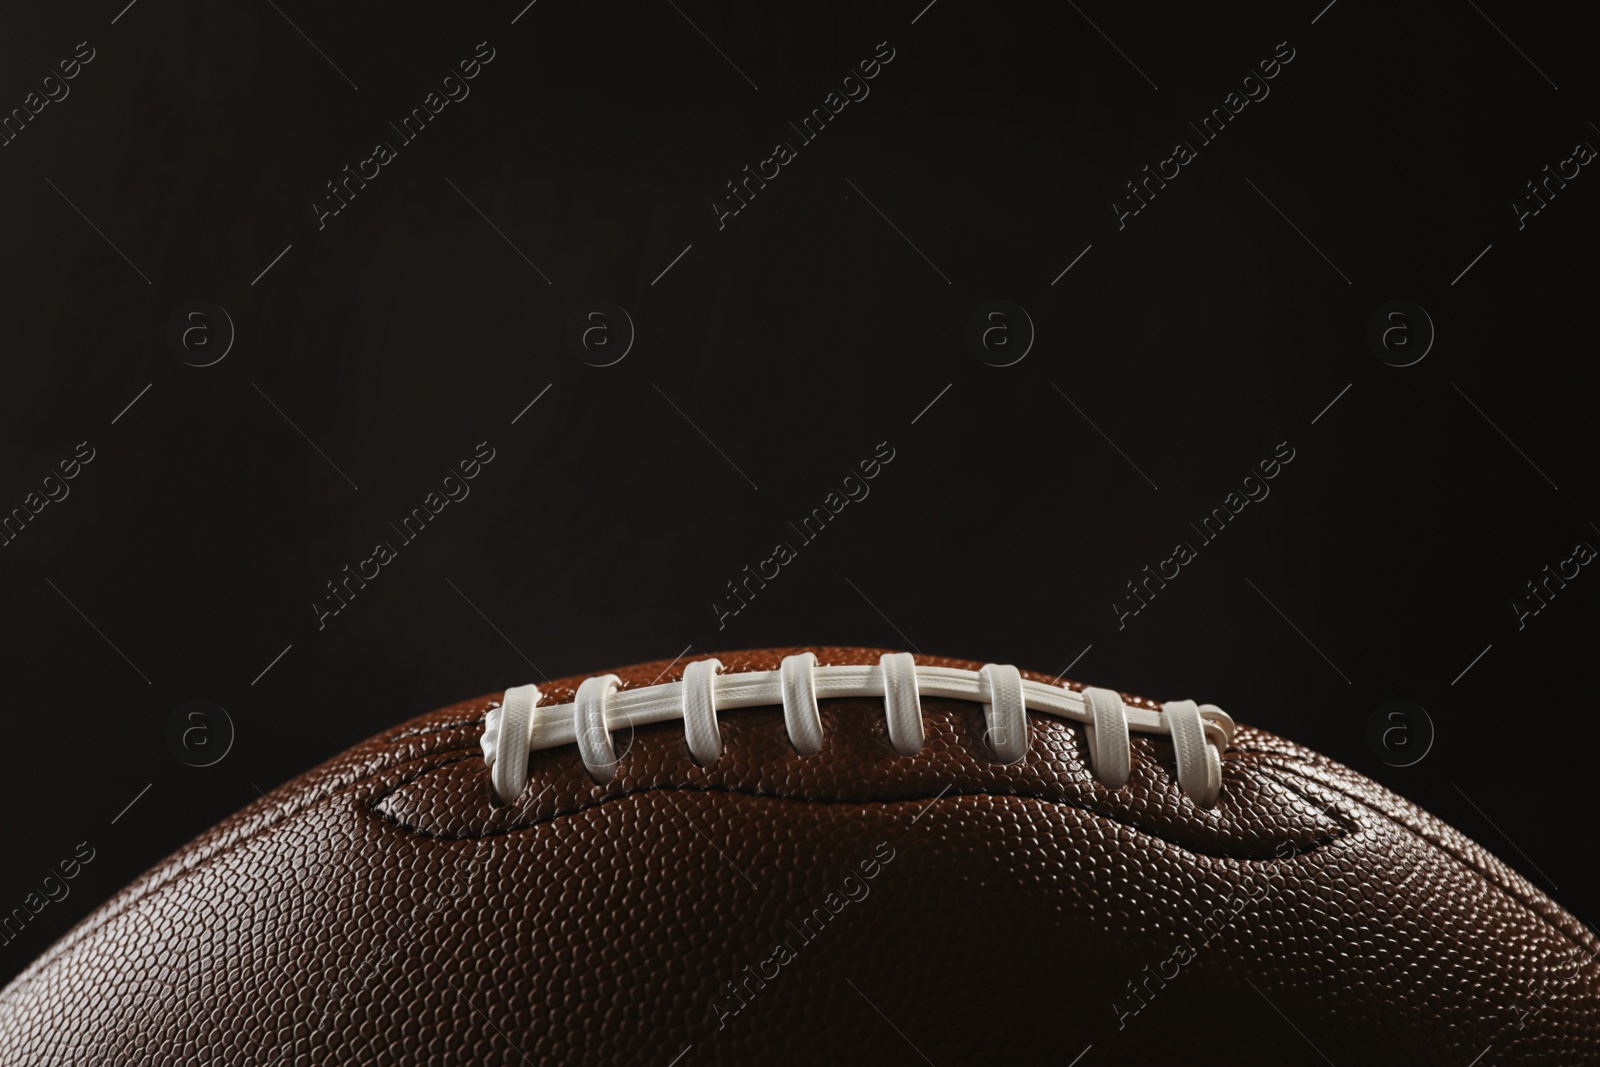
{"x":66,"y":948}
{"x":69,"y":942}
{"x":73,"y":938}
{"x":372,"y":805}
{"x":1489,"y":876}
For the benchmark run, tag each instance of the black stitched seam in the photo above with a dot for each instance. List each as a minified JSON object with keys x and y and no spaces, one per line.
{"x":62,"y":949}
{"x":1465,"y":861}
{"x":372,"y":806}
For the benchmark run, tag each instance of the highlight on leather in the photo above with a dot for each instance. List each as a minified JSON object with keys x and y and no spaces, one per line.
{"x":1200,"y":732}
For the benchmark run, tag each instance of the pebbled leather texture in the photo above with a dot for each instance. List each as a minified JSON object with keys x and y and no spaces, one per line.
{"x":855,"y":906}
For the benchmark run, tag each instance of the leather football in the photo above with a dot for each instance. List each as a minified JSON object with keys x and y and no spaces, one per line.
{"x":819,"y":856}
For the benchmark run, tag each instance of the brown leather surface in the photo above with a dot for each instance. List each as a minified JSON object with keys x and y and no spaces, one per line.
{"x":941,"y":908}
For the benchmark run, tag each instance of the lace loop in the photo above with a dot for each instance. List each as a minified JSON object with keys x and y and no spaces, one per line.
{"x":700,"y":709}
{"x":797,"y":682}
{"x":592,"y":727}
{"x":1005,"y":712}
{"x":1199,"y":766}
{"x":901,"y":705}
{"x":507,"y":735}
{"x":1110,"y":750}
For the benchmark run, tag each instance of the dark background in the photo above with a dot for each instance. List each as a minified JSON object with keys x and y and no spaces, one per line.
{"x":380,"y":350}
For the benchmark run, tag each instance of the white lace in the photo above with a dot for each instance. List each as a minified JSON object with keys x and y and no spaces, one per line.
{"x":1200,"y":733}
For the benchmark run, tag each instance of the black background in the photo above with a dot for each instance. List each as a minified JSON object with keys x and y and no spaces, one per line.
{"x":424,"y":317}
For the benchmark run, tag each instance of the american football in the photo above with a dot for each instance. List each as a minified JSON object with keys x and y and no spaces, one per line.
{"x":694,"y":533}
{"x":819,"y":855}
